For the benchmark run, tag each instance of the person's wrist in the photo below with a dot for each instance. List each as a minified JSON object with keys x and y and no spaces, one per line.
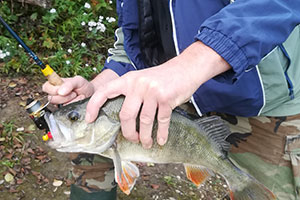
{"x":203,"y":63}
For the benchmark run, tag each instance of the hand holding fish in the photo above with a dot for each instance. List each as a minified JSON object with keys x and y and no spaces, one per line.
{"x":159,"y":89}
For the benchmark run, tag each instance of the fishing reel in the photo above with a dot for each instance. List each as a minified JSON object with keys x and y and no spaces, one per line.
{"x":36,"y":111}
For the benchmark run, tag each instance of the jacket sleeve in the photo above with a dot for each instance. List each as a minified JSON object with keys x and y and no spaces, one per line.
{"x":118,"y":60}
{"x":247,"y":30}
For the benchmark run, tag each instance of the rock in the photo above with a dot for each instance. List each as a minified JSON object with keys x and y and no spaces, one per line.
{"x":12,"y":84}
{"x":20,"y":129}
{"x":57,"y":183}
{"x":8,"y":177}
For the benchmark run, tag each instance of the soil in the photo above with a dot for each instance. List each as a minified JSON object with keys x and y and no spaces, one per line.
{"x":33,"y":180}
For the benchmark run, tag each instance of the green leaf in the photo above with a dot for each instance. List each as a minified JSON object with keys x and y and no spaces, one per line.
{"x":34,"y":16}
{"x":48,"y":43}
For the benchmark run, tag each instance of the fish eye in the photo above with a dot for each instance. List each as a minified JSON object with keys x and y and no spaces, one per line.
{"x":73,"y":116}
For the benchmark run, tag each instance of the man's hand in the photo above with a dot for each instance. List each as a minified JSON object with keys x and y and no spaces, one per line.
{"x":77,"y":88}
{"x":73,"y":89}
{"x":158,"y":89}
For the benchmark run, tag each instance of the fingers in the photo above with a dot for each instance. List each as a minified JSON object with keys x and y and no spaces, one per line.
{"x":146,"y":122}
{"x":163,"y":120}
{"x":128,"y":114}
{"x":66,"y":92}
{"x":71,"y":84}
{"x":110,"y":90}
{"x":62,"y":99}
{"x":78,"y":98}
{"x":50,"y":89}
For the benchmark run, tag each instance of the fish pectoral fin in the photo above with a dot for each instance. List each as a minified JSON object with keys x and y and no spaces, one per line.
{"x":127,"y":177}
{"x":197,"y":174}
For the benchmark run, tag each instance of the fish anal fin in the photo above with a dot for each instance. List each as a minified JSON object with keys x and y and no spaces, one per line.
{"x":197,"y":174}
{"x":127,"y":177}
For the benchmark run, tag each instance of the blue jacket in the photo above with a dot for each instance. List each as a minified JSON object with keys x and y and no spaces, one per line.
{"x":243,"y":33}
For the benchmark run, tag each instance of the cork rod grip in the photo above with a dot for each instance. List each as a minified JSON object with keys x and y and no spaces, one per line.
{"x":55,"y":79}
{"x":52,"y":76}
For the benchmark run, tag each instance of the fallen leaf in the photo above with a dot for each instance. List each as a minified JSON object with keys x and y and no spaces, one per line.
{"x":25,"y":161}
{"x":29,"y":150}
{"x":12,"y":171}
{"x":13,"y":190}
{"x":9,"y":156}
{"x":19,"y":181}
{"x":22,"y":103}
{"x":23,"y":81}
{"x":155,"y":186}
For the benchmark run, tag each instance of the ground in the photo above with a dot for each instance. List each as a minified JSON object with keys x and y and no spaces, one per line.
{"x":29,"y":169}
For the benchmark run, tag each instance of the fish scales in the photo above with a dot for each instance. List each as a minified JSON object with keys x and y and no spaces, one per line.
{"x":198,"y":144}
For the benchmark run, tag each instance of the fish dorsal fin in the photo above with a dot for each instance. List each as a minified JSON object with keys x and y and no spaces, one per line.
{"x":126,"y":173}
{"x":216,"y":129}
{"x":197,"y":174}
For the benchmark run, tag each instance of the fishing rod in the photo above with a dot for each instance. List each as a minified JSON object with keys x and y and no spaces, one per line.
{"x":48,"y":72}
{"x":35,"y":108}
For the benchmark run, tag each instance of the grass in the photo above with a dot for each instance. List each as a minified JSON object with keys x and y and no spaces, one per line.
{"x":71,"y":36}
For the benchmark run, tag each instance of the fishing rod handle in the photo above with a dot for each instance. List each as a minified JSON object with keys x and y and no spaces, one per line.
{"x":52,"y":76}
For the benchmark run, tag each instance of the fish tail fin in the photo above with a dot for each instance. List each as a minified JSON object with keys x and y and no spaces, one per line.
{"x":253,"y":191}
{"x":248,"y":188}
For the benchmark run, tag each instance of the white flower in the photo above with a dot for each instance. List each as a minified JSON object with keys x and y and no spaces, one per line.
{"x":92,"y":23}
{"x":83,"y":44}
{"x":83,"y":23}
{"x":68,"y":62}
{"x":86,"y":65}
{"x":101,"y":27}
{"x":110,"y":2}
{"x":111,"y":19}
{"x":95,"y":69}
{"x":53,"y":10}
{"x":84,"y":14}
{"x":2,"y":55}
{"x":90,"y":29}
{"x":87,"y":5}
{"x":7,"y":53}
{"x":20,"y":46}
{"x":7,"y":44}
{"x":69,"y":50}
{"x":1,"y":51}
{"x":101,"y":18}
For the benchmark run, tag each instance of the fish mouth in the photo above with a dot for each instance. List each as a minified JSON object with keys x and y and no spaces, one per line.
{"x":64,"y":141}
{"x":53,"y":127}
{"x":57,"y":131}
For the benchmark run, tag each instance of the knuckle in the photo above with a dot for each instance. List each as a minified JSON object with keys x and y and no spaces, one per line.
{"x":163,"y":119}
{"x":162,"y":97}
{"x":78,"y":78}
{"x":145,"y":119}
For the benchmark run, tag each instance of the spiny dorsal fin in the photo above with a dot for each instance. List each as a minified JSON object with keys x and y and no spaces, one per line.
{"x":216,"y":130}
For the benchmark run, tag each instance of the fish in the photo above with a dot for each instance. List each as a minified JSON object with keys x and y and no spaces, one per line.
{"x":199,"y":144}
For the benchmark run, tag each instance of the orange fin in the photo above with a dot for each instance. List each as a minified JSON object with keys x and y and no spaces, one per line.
{"x":127,"y":177}
{"x":253,"y":191}
{"x":197,"y":174}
